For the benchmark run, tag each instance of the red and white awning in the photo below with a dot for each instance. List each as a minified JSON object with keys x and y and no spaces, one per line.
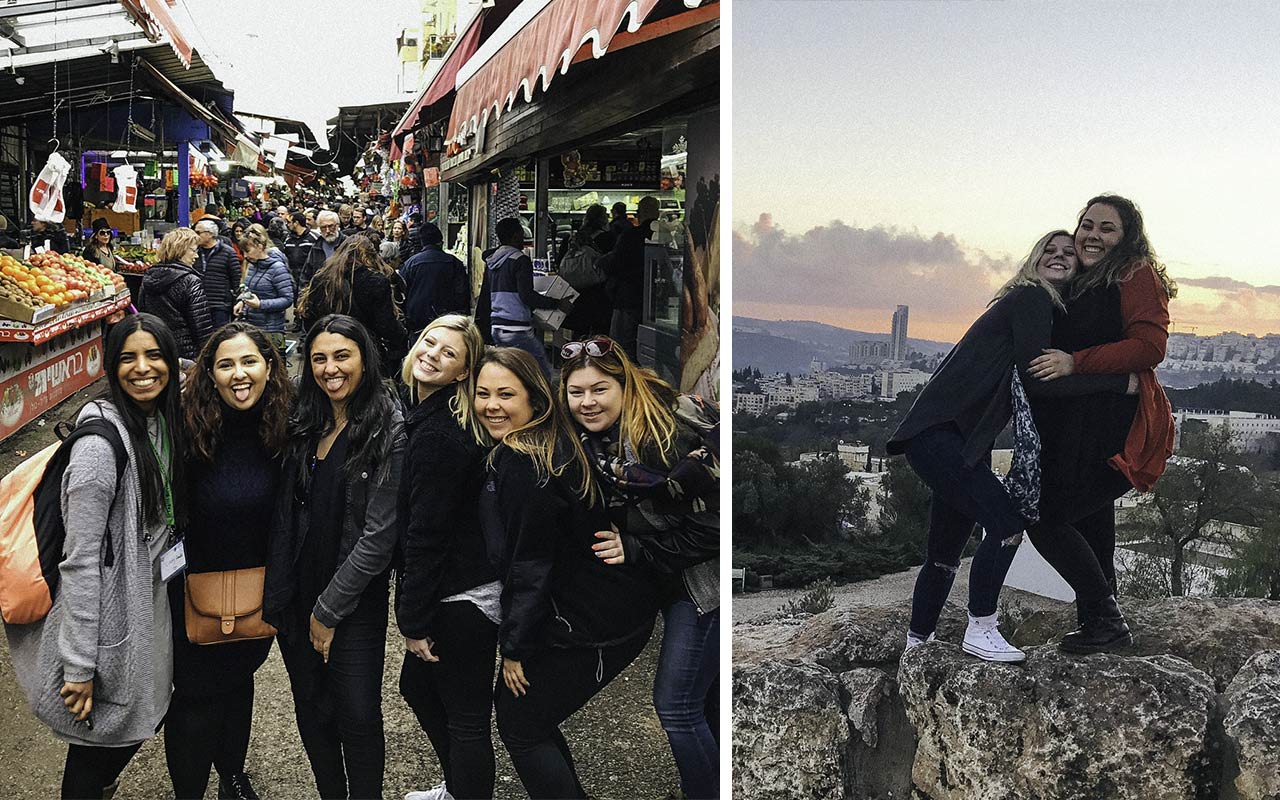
{"x":538,"y":40}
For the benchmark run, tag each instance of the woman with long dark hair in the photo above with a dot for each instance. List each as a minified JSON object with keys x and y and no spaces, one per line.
{"x":99,"y":666}
{"x":947,"y":437}
{"x":570,"y":622}
{"x":447,"y":603}
{"x":331,"y":546}
{"x":1096,"y":448}
{"x":356,"y":281}
{"x":655,"y":454}
{"x":236,"y":406}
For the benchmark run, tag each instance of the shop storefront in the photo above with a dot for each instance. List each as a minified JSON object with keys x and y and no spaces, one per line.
{"x":633,"y":111}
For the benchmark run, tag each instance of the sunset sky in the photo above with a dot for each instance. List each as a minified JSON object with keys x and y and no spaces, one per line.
{"x":897,"y":152}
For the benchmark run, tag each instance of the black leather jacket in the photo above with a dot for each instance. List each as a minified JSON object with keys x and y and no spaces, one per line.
{"x":369,"y":532}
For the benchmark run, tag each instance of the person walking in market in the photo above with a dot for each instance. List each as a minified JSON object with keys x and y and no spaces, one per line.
{"x":624,"y":268}
{"x":330,"y":238}
{"x":437,"y":283}
{"x":507,"y":297}
{"x":174,"y":292}
{"x":219,"y":270}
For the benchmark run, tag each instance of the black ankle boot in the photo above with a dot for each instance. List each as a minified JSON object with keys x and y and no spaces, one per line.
{"x":1102,"y":629}
{"x":236,"y":787}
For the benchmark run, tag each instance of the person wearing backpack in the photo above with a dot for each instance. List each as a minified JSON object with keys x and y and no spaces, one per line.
{"x":592,"y":311}
{"x":98,"y":668}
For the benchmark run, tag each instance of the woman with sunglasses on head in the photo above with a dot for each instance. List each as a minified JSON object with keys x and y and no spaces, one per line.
{"x":98,"y":668}
{"x":331,"y":545}
{"x":447,"y":599}
{"x":656,"y":458}
{"x":1096,"y":448}
{"x":570,"y":622}
{"x":236,"y":405}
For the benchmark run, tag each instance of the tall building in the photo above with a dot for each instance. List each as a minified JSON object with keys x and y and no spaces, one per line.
{"x":899,"y":341}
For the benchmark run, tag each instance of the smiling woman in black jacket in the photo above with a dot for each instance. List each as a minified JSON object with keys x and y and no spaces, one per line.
{"x":447,"y":604}
{"x":570,"y":622}
{"x":330,"y":551}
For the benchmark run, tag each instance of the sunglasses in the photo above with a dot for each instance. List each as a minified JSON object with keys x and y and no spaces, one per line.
{"x":594,"y":347}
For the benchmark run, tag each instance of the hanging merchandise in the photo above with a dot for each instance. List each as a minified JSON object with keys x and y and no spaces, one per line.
{"x":126,"y":189}
{"x":46,"y":193}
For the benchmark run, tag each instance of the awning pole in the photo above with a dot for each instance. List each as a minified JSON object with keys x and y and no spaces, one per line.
{"x":184,"y":183}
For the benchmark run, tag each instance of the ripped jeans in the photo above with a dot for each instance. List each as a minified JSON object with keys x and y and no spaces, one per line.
{"x":963,"y":497}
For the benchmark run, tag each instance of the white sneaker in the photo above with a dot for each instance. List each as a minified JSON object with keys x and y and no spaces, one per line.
{"x":915,"y":641}
{"x":983,"y":639}
{"x":435,"y":793}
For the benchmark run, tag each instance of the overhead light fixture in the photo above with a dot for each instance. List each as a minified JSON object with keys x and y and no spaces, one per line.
{"x":141,"y":132}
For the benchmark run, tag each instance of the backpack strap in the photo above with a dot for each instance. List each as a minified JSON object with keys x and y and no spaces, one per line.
{"x":97,"y":426}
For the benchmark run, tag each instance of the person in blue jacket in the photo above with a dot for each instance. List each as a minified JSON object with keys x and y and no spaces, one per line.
{"x":268,"y":286}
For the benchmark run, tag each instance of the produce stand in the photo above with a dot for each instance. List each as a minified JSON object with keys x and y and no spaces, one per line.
{"x":50,"y":351}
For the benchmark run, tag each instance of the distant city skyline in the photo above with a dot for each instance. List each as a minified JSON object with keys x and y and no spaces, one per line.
{"x":865,"y":178}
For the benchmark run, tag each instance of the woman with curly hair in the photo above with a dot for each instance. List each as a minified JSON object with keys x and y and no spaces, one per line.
{"x":236,"y":406}
{"x":655,"y":454}
{"x":1096,"y":448}
{"x":355,"y":281}
{"x":570,"y":622}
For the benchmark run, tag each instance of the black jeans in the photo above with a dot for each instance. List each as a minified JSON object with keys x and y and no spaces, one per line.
{"x":207,"y":730}
{"x":339,"y":704}
{"x":560,"y":682}
{"x":453,"y":697}
{"x":89,"y":770}
{"x":962,"y":497}
{"x":1082,"y":551}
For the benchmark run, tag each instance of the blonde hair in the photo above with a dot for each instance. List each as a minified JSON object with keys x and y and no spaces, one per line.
{"x":647,"y":421}
{"x":548,"y":427}
{"x":1029,"y":275}
{"x":464,"y":410}
{"x":255,"y":234}
{"x":175,"y":244}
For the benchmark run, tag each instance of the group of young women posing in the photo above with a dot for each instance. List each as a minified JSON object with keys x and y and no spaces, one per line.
{"x":551,"y":527}
{"x":1067,"y":351}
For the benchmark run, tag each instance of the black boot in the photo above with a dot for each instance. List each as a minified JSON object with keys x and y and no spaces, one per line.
{"x":1102,"y":629}
{"x":236,"y":787}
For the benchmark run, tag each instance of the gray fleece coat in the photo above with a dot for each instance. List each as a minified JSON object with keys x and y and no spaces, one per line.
{"x":108,"y":624}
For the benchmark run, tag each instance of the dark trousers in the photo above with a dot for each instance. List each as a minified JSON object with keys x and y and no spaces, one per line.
{"x":338,"y":705}
{"x":453,"y":697}
{"x":687,"y":669}
{"x":624,"y":327}
{"x":561,"y":681}
{"x":89,"y":770}
{"x":1082,"y":551}
{"x":962,"y":497}
{"x":207,"y":730}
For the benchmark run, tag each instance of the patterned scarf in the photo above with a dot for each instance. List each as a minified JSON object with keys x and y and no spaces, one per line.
{"x":1023,"y":481}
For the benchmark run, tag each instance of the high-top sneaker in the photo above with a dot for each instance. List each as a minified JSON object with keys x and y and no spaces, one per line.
{"x":982,"y":639}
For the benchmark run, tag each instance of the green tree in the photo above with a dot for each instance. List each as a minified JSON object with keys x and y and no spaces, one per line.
{"x":904,"y":512}
{"x":759,"y":501}
{"x":1255,"y":570}
{"x":1207,"y":483}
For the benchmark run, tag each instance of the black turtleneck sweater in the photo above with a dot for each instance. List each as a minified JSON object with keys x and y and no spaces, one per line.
{"x":231,"y":504}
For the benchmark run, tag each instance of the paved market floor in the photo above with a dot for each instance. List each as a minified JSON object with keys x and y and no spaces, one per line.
{"x":618,"y":744}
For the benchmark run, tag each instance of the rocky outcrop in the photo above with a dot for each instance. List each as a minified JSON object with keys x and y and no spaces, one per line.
{"x":1252,"y":727}
{"x":1192,"y":711}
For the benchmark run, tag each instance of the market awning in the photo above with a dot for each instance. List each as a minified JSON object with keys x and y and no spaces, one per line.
{"x":188,"y":102}
{"x":37,"y":32}
{"x":539,"y":39}
{"x":156,"y":12}
{"x":444,"y":82}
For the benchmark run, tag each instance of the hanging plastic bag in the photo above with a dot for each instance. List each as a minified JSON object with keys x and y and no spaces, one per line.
{"x":126,"y":189}
{"x":46,"y":193}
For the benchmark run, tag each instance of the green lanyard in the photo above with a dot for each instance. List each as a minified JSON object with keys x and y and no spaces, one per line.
{"x":162,"y":458}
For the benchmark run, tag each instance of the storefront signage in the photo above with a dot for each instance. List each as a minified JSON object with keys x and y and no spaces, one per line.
{"x":461,"y":158}
{"x":57,"y":372}
{"x":612,"y":169}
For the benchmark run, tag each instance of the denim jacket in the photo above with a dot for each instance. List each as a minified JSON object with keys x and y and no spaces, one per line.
{"x":369,"y":533}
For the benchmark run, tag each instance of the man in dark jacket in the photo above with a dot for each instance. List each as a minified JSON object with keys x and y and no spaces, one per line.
{"x":329,"y":239}
{"x":49,"y":235}
{"x":298,"y":245}
{"x":507,"y":297}
{"x":624,"y":268}
{"x":437,"y":282}
{"x":618,"y":222}
{"x":219,"y":270}
{"x":412,"y":243}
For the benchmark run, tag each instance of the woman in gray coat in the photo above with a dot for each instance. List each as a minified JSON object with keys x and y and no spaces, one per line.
{"x":98,"y":669}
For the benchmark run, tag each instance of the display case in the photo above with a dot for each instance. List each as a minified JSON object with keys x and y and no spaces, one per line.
{"x":658,"y":340}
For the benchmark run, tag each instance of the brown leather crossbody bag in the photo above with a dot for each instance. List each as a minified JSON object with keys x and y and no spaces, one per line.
{"x":226,"y":606}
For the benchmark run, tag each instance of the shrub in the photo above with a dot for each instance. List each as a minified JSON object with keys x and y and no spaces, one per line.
{"x":820,"y":597}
